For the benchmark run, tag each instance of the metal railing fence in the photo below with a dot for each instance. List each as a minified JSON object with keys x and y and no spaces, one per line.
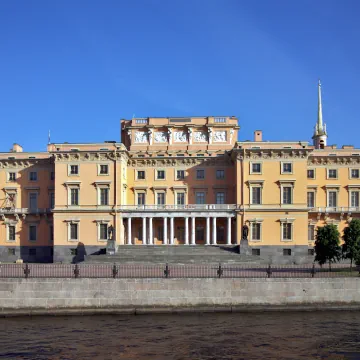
{"x":174,"y":271}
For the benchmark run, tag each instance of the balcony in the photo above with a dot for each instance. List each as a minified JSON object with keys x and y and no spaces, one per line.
{"x":336,"y":209}
{"x":10,"y":211}
{"x":180,"y":207}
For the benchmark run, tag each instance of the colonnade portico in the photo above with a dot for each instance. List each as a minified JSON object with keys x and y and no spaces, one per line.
{"x":189,"y":221}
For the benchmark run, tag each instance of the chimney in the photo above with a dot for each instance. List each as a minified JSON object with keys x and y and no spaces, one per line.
{"x":17,"y":148}
{"x":258,"y":135}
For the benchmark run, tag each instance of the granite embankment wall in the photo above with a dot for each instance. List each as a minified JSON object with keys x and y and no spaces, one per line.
{"x":61,"y":296}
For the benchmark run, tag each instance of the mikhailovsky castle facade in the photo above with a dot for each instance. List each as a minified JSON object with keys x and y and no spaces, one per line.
{"x":176,"y":181}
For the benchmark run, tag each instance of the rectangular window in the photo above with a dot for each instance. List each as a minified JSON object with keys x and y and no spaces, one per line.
{"x":255,"y":231}
{"x":287,"y":195}
{"x":141,"y":175}
{"x":160,"y":198}
{"x":181,"y":233}
{"x":311,"y":174}
{"x":180,"y":174}
{"x":354,"y":173}
{"x":332,"y":174}
{"x":287,"y":231}
{"x":74,"y":169}
{"x":11,"y":251}
{"x":12,"y":176}
{"x":52,"y":175}
{"x":287,"y":168}
{"x":180,"y":198}
{"x":220,"y":174}
{"x":287,"y":252}
{"x":141,"y":198}
{"x":200,"y":174}
{"x":255,"y":252}
{"x":332,"y":198}
{"x":160,"y":233}
{"x":199,"y":233}
{"x":74,"y":231}
{"x":103,"y":231}
{"x":311,"y":232}
{"x":33,"y":176}
{"x":104,"y":169}
{"x":355,"y":198}
{"x":33,"y":200}
{"x":32,"y":232}
{"x":74,"y":196}
{"x":104,"y":196}
{"x":200,"y":155}
{"x":52,"y":200}
{"x":200,"y":198}
{"x":256,"y":195}
{"x":220,"y":198}
{"x":161,"y":175}
{"x":310,"y":199}
{"x":256,"y":168}
{"x":11,"y":235}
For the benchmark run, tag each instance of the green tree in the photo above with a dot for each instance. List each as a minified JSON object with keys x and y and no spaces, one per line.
{"x":327,"y":248}
{"x":351,"y":246}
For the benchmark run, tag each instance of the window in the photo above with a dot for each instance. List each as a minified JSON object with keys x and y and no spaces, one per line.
{"x":104,"y":149}
{"x":332,"y":174}
{"x":311,"y":252}
{"x":141,"y":121}
{"x":141,"y":156}
{"x":180,"y":198}
{"x":33,"y":200}
{"x":311,"y":174}
{"x":52,"y":175}
{"x":11,"y":233}
{"x":141,"y":175}
{"x":12,"y":176}
{"x":287,"y":252}
{"x":199,"y":233}
{"x":287,"y":195}
{"x":200,"y":174}
{"x":140,"y":233}
{"x":160,"y":174}
{"x":74,"y":231}
{"x":160,"y":198}
{"x":287,"y":231}
{"x":103,"y":232}
{"x":256,"y":195}
{"x":33,"y":176}
{"x":74,"y":196}
{"x":286,"y":168}
{"x":104,"y":169}
{"x":310,"y":199}
{"x":180,"y":174}
{"x":255,"y":168}
{"x":11,"y":251}
{"x":32,"y":232}
{"x":220,"y":120}
{"x":52,"y":200}
{"x":220,"y":174}
{"x":200,"y":155}
{"x":180,"y":155}
{"x":104,"y":196}
{"x":73,"y":252}
{"x":141,"y":198}
{"x":311,"y":232}
{"x":160,"y":233}
{"x":255,"y":231}
{"x":255,"y":252}
{"x":74,"y":169}
{"x":200,"y":198}
{"x":354,"y":198}
{"x":332,"y":199}
{"x":220,"y":233}
{"x":220,"y":198}
{"x":354,"y":173}
{"x":181,"y":233}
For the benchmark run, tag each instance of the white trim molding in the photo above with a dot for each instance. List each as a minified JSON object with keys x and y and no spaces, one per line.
{"x":69,"y":223}
{"x":98,"y":223}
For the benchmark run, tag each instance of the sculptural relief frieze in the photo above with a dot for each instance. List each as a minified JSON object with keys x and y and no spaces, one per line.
{"x":160,"y":137}
{"x":180,"y":136}
{"x":200,"y":136}
{"x":219,"y":136}
{"x":141,"y":137}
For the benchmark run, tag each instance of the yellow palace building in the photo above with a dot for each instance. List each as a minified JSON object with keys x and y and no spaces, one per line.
{"x":176,"y":181}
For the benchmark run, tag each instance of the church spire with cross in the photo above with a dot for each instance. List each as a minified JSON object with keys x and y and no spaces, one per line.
{"x":320,"y":134}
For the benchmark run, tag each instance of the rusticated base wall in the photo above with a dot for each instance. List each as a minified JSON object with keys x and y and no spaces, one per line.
{"x":50,"y":296}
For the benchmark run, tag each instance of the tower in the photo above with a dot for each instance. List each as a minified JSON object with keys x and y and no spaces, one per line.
{"x":320,"y":134}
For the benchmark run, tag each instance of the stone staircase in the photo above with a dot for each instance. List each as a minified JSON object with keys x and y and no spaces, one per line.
{"x":175,"y":255}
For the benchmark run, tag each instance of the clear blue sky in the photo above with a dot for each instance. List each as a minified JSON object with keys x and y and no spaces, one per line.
{"x":77,"y":67}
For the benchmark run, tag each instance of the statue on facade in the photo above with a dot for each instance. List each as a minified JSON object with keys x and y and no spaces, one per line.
{"x":245,"y":232}
{"x":150,"y":136}
{"x":110,"y":232}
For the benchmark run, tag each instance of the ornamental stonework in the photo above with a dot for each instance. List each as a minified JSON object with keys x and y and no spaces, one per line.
{"x":219,"y":136}
{"x":200,"y":136}
{"x":141,"y":137}
{"x":180,"y":136}
{"x":160,"y":137}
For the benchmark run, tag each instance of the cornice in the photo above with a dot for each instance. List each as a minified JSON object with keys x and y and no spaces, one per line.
{"x":24,"y":163}
{"x":271,"y":154}
{"x":93,"y":156}
{"x":333,"y":160}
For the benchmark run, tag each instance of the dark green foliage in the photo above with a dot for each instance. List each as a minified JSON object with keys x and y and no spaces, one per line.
{"x":351,"y":246}
{"x":327,"y":248}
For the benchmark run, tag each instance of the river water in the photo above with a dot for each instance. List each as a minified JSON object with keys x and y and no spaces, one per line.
{"x":210,"y":336}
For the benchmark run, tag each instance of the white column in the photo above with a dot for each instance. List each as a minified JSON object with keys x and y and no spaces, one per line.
{"x":151,"y":237}
{"x":165,"y":231}
{"x":207,"y":231}
{"x":193,"y":231}
{"x":171,"y":231}
{"x":229,"y":231}
{"x":214,"y":231}
{"x":186,"y":231}
{"x":144,"y":231}
{"x":129,"y":231}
